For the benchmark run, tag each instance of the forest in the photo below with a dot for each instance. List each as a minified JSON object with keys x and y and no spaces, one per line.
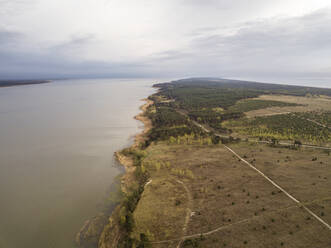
{"x":286,"y":126}
{"x":214,"y":102}
{"x":323,"y":118}
{"x":167,"y":122}
{"x":265,"y":88}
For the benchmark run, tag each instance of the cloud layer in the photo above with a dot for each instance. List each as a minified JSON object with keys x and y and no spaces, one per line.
{"x":177,"y":38}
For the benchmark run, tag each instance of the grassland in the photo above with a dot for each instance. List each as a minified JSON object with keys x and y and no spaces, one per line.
{"x":305,"y":104}
{"x":227,"y":196}
{"x":250,"y":105}
{"x":187,"y":188}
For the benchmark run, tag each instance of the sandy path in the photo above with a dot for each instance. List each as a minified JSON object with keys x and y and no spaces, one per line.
{"x":188,"y":214}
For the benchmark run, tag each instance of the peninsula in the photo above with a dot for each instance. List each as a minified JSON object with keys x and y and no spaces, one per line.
{"x":226,"y":163}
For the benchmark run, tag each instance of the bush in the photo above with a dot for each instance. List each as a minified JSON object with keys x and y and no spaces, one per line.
{"x":144,"y":241}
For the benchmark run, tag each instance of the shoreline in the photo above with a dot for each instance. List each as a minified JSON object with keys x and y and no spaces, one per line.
{"x":145,"y":120}
{"x":126,"y":161}
{"x":98,"y":230}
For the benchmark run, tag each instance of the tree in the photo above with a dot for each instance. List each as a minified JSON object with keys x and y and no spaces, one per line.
{"x":274,"y":141}
{"x":297,"y":143}
{"x":216,"y":139}
{"x":172,"y":140}
{"x":144,"y":241}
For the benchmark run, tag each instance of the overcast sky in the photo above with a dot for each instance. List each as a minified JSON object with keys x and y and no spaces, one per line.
{"x":268,"y":40}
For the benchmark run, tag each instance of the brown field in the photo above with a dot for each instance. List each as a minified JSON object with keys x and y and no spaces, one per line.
{"x":230,"y":204}
{"x":315,"y":103}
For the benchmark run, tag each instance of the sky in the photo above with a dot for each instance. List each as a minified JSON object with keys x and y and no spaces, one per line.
{"x":262,"y":40}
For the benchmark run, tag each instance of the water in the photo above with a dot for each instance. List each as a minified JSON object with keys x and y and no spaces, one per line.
{"x":56,"y":155}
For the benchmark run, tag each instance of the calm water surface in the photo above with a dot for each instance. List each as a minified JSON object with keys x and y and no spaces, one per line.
{"x":56,"y":155}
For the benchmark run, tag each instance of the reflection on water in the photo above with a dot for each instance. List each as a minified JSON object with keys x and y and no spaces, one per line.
{"x":56,"y":155}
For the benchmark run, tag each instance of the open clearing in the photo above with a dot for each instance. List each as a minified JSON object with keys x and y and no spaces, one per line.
{"x":309,"y":104}
{"x":227,"y":195}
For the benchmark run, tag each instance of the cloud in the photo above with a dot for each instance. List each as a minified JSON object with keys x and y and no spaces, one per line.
{"x":169,"y":55}
{"x":19,"y":61}
{"x":14,"y":7}
{"x":74,"y":47}
{"x":278,"y":47}
{"x":7,"y":37}
{"x":174,"y":38}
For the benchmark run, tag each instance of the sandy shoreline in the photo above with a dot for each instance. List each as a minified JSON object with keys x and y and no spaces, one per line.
{"x":91,"y":228}
{"x":139,"y":138}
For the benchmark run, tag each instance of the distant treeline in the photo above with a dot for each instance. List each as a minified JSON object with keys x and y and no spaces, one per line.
{"x":8,"y":83}
{"x":262,"y":88}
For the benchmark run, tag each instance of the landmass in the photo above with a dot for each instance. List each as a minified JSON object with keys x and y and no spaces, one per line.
{"x":227,"y":163}
{"x":10,"y":83}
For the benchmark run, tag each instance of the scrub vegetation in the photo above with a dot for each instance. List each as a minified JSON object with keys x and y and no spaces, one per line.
{"x":283,"y":127}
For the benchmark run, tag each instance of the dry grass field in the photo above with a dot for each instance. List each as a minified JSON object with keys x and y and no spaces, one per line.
{"x":162,"y":202}
{"x":229,"y":203}
{"x":316,"y":103}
